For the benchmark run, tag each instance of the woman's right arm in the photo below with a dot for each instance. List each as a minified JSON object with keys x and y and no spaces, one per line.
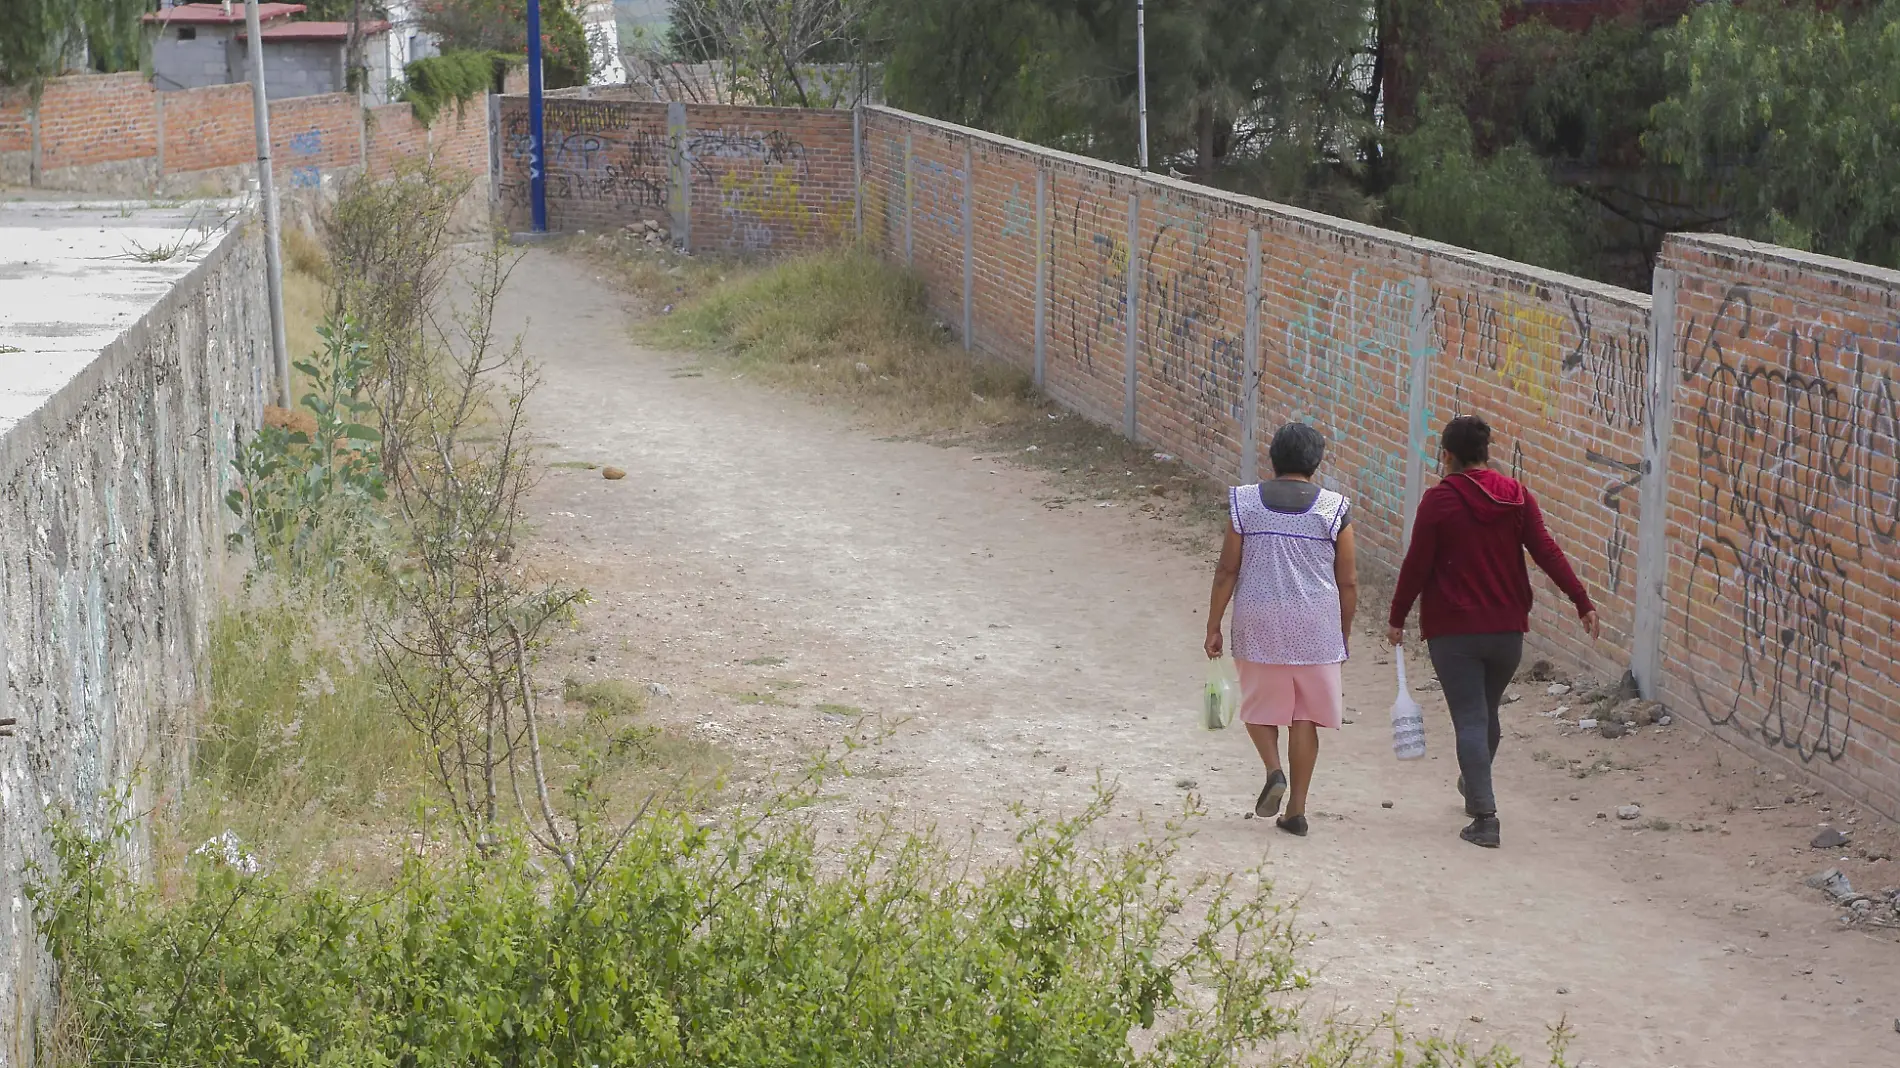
{"x":1415,"y":570}
{"x":1226,"y":577}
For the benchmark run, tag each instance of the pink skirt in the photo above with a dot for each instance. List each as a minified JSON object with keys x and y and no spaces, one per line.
{"x":1276,"y":695}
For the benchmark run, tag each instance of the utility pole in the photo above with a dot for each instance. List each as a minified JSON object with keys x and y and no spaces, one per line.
{"x":537,"y":141}
{"x":267,"y":189}
{"x":1141,"y":72}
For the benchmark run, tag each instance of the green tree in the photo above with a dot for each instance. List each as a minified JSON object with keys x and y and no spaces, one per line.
{"x":1504,"y":203}
{"x":1252,"y":94}
{"x":1796,"y":113}
{"x":502,"y":26}
{"x":40,"y":39}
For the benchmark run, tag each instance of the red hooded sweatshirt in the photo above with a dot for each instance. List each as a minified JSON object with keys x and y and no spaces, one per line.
{"x":1467,"y":558}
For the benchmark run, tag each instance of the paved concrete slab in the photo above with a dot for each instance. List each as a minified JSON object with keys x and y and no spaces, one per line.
{"x":76,"y":272}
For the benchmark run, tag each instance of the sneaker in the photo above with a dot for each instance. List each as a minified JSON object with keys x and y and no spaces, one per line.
{"x":1461,"y":793}
{"x":1268,"y":805}
{"x":1293,"y":825}
{"x":1483,"y":831}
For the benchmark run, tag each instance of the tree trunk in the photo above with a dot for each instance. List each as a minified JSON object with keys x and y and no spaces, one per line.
{"x":1204,"y":140}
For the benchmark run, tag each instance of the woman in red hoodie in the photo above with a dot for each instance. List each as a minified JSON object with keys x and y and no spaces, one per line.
{"x":1467,"y":559}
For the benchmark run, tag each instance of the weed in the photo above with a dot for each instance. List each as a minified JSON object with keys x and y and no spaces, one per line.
{"x":847,"y":326}
{"x":830,"y":709}
{"x":307,"y":499}
{"x":574,"y":465}
{"x":1660,"y":825}
{"x":764,"y":661}
{"x":304,"y":254}
{"x":605,"y":698}
{"x":762,"y":698}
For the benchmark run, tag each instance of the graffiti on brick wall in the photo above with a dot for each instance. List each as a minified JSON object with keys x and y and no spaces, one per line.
{"x":1019,"y":215}
{"x":305,"y":147}
{"x":760,"y":175}
{"x":1795,"y":455}
{"x":716,"y":149}
{"x":1523,"y":348}
{"x":938,"y":194}
{"x":1096,"y":306}
{"x":588,"y":160}
{"x":1348,"y":355}
{"x":1188,"y":346}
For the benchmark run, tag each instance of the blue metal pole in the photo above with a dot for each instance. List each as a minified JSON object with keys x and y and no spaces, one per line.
{"x":537,"y":148}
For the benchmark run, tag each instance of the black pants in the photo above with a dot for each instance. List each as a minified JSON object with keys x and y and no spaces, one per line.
{"x":1474,"y":670}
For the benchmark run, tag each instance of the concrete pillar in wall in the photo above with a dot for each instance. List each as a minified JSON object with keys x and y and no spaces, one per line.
{"x":1132,"y":323}
{"x":969,"y":245}
{"x":1042,"y":273}
{"x":1250,"y":373}
{"x":1420,"y":348}
{"x":1652,"y":536}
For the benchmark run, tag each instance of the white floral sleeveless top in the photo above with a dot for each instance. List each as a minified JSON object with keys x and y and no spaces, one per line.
{"x":1286,"y":605}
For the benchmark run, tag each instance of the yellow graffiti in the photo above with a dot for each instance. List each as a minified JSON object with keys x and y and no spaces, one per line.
{"x":773,"y":200}
{"x":1533,"y":354}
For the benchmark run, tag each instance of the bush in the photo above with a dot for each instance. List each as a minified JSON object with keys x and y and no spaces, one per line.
{"x":734,"y":944}
{"x":433,"y":83}
{"x":311,"y":481}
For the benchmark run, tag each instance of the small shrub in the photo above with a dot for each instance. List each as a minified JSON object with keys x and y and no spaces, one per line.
{"x":604,"y":698}
{"x":736,"y":943}
{"x":307,"y":498}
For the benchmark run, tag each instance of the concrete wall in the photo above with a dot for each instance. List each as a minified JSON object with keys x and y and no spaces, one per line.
{"x":203,"y":60}
{"x":112,"y":518}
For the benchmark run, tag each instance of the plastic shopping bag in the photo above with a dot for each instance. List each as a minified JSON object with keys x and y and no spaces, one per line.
{"x":1408,"y":720}
{"x":1220,"y":696}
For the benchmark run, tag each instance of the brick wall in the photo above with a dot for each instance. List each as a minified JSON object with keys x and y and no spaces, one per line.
{"x":776,"y":179}
{"x":1784,"y":507}
{"x":101,"y":119}
{"x":759,"y":178}
{"x":393,"y":136}
{"x":311,"y":136}
{"x":116,"y":133}
{"x":607,"y":163}
{"x":206,"y":129}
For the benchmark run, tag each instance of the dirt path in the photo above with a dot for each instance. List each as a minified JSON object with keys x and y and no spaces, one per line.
{"x":1031,"y":647}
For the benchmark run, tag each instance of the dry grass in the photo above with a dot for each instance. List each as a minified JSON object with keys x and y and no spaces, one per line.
{"x":846,"y":328}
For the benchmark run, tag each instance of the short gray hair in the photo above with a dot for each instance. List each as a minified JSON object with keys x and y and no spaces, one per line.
{"x":1297,"y":449}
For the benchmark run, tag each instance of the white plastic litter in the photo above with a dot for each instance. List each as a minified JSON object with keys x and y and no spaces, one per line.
{"x":1408,"y":720}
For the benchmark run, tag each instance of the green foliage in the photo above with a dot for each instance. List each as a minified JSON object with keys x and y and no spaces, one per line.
{"x":1504,"y":204}
{"x":502,"y":26}
{"x":307,"y":498}
{"x":432,"y":83}
{"x":604,"y":698}
{"x":1233,"y":85}
{"x":296,"y":714}
{"x":1796,"y":111}
{"x":684,"y":944}
{"x":40,"y":39}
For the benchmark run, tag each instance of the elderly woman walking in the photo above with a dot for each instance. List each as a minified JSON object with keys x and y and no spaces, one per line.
{"x":1287,"y":567}
{"x":1467,"y":561}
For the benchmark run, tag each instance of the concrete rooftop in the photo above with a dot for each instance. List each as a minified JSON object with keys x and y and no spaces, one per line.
{"x":77,"y":272}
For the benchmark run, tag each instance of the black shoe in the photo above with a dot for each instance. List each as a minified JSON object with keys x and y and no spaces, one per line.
{"x":1268,"y":806}
{"x":1483,"y":831}
{"x":1293,"y":825}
